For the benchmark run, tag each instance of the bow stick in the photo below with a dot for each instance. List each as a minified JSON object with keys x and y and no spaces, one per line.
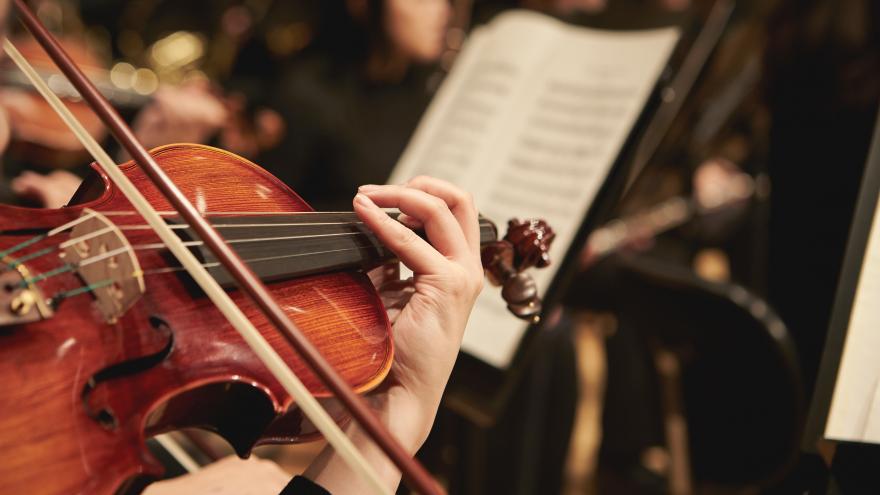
{"x":411,"y":470}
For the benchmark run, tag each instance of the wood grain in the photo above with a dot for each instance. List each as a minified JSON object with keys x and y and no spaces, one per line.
{"x":80,"y":396}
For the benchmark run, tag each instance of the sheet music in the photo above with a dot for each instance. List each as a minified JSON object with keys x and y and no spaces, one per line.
{"x":855,"y":405}
{"x":530,"y":121}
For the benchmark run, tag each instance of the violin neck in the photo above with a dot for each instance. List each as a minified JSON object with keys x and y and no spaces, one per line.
{"x":279,"y":247}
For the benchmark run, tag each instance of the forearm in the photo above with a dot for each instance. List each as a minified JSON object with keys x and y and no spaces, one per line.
{"x":407,"y":421}
{"x":428,"y":329}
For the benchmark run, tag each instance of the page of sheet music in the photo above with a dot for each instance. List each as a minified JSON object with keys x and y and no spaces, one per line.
{"x":855,"y":405}
{"x":530,"y":120}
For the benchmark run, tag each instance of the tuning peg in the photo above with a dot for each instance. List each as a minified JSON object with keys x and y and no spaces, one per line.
{"x":526,"y":244}
{"x":519,"y":288}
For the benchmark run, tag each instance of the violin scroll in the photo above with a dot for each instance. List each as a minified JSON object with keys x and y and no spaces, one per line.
{"x":526,"y":244}
{"x":531,"y":241}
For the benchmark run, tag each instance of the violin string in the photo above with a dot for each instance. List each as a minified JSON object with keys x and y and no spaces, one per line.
{"x":160,"y":271}
{"x":159,"y":245}
{"x":18,"y":247}
{"x":70,"y":266}
{"x":103,"y":256}
{"x":85,"y":237}
{"x":43,"y":276}
{"x":260,"y":225}
{"x":310,"y":406}
{"x":256,"y":239}
{"x":265,"y":239}
{"x":40,"y":237}
{"x":153,"y":246}
{"x":238,"y":213}
{"x":57,"y":298}
{"x":88,"y":216}
{"x":31,"y":256}
{"x":245,"y":225}
{"x":156,"y":271}
{"x":69,"y":242}
{"x":71,"y":224}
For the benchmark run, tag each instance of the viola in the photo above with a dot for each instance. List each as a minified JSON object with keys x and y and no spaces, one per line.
{"x":106,"y":341}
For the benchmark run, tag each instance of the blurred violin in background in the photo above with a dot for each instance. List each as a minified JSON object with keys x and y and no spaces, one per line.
{"x":194,"y":111}
{"x":38,"y":135}
{"x":163,"y":107}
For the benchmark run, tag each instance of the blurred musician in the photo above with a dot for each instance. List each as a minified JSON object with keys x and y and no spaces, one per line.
{"x":177,"y":114}
{"x":823,"y":90}
{"x":353,"y":98}
{"x":187,"y":109}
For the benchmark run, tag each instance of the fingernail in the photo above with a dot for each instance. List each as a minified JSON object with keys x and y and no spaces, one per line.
{"x":363,"y":200}
{"x":368,"y":187}
{"x":408,"y":221}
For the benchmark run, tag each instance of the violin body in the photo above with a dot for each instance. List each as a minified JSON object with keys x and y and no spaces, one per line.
{"x":80,"y":395}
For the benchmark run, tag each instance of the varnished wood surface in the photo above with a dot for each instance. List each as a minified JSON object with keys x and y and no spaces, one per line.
{"x":192,"y":367}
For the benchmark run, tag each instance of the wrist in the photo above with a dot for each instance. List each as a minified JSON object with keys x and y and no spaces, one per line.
{"x":407,"y":416}
{"x":408,"y":421}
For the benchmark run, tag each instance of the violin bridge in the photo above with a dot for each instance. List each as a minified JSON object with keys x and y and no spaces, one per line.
{"x":106,"y":262}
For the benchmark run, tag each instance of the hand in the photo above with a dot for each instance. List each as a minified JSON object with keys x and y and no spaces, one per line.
{"x":53,"y":190}
{"x":182,"y":114}
{"x":228,"y":476}
{"x":248,"y":136}
{"x":448,"y":275}
{"x":718,"y":182}
{"x":428,"y":328}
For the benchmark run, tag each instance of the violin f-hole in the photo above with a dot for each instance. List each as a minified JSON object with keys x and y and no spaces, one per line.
{"x":94,"y":401}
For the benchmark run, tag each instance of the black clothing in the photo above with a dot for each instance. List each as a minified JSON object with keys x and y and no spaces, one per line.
{"x":822,"y":94}
{"x":342,"y":129}
{"x":303,"y":486}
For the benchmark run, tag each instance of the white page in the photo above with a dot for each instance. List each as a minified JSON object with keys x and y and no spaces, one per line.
{"x":855,"y":405}
{"x":474,"y":104}
{"x":545,"y":144}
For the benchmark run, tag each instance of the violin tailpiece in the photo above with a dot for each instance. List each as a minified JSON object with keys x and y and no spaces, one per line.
{"x":20,"y":301}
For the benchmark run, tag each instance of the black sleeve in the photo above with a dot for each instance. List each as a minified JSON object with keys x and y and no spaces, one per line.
{"x":303,"y":486}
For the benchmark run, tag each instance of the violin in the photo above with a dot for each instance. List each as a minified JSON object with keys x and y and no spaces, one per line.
{"x":41,"y":138}
{"x":38,"y":135}
{"x":106,"y":342}
{"x":130,"y":330}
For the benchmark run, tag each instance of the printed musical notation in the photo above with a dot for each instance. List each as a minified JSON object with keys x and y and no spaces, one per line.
{"x":530,"y":120}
